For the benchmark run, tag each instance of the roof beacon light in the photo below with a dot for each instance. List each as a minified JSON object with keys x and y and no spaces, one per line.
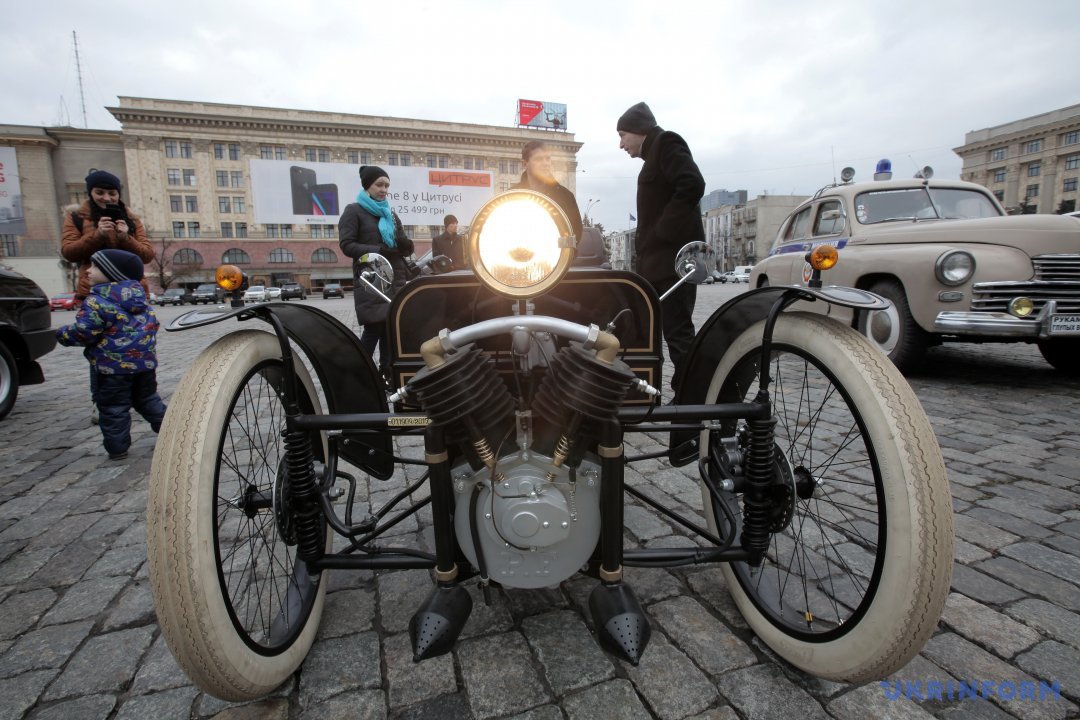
{"x":883,"y":170}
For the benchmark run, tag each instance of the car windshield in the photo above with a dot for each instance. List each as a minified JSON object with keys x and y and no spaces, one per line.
{"x":879,"y":206}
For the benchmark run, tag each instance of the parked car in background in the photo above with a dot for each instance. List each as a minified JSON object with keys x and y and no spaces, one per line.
{"x":728,"y":277}
{"x":273,"y":293}
{"x":332,"y":290}
{"x":208,"y":293}
{"x":955,"y":268}
{"x":25,"y":335}
{"x":62,"y":301}
{"x":175,"y":296}
{"x":255,"y":293}
{"x":293,"y":290}
{"x":741,"y":273}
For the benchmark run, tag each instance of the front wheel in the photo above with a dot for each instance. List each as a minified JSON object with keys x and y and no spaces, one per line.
{"x":860,"y":556}
{"x":894,"y":331}
{"x":9,"y":381}
{"x":1062,"y":353}
{"x":237,"y":607}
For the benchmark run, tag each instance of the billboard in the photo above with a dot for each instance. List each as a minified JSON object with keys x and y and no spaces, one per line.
{"x":289,"y":192}
{"x":12,"y":221}
{"x":535,"y":113}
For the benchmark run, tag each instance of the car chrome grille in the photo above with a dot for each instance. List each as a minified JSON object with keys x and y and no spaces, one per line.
{"x":1057,"y":277}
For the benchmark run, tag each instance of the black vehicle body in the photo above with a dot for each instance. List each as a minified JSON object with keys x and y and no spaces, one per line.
{"x":175,"y":296}
{"x":332,"y":290}
{"x":523,"y":404}
{"x":25,"y":335}
{"x":207,"y":293}
{"x":292,"y":290}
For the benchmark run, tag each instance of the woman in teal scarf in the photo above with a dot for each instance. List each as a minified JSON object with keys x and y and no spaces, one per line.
{"x":370,"y":226}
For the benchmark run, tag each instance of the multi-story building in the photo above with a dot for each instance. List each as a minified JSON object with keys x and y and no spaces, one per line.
{"x":1031,"y":165}
{"x":187,"y":171}
{"x":719,"y":198}
{"x":741,"y":234}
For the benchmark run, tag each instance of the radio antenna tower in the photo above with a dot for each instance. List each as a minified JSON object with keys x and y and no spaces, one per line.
{"x":78,"y":73}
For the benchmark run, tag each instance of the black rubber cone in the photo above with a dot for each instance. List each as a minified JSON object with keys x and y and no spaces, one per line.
{"x":620,"y":622}
{"x":436,"y":625}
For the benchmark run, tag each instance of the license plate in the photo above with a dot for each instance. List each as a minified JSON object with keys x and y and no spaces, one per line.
{"x":1065,"y":324}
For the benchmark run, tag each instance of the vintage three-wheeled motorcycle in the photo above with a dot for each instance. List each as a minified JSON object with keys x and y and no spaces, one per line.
{"x":824,"y":492}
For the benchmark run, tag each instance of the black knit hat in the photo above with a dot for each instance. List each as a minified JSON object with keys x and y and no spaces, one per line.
{"x":102,"y":179}
{"x":638,"y":120}
{"x":118,"y":265}
{"x":371,"y":173}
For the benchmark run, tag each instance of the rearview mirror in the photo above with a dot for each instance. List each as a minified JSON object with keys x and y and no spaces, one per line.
{"x":695,"y":262}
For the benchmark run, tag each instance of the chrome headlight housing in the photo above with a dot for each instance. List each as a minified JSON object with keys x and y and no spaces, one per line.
{"x":954,"y":267}
{"x":520,"y":244}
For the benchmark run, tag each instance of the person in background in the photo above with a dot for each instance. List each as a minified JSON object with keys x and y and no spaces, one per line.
{"x":538,"y":176}
{"x":118,"y":328}
{"x":102,"y":222}
{"x":449,"y":244}
{"x":370,"y":226}
{"x":669,"y":192}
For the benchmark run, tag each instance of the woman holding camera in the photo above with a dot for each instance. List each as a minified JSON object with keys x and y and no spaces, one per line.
{"x":102,"y":222}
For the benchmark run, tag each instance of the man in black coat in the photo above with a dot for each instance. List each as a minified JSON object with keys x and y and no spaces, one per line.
{"x":539,"y":177}
{"x":449,"y":244}
{"x":670,"y":188}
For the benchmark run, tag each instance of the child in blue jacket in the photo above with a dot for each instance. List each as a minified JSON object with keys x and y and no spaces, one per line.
{"x":119,"y":329}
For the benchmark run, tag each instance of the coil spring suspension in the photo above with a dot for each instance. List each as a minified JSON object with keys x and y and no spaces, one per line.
{"x":304,"y":504}
{"x":757,"y":507}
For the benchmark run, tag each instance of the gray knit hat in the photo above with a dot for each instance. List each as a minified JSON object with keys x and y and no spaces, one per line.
{"x":118,"y":265}
{"x":638,"y":119}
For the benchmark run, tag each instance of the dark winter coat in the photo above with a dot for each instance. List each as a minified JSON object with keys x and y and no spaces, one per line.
{"x":359,"y":233}
{"x":670,"y":188}
{"x":118,"y":328}
{"x":450,"y":246}
{"x":78,"y":245}
{"x":562,"y":197}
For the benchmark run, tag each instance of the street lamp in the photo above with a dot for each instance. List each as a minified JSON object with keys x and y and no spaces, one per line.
{"x":587,"y":209}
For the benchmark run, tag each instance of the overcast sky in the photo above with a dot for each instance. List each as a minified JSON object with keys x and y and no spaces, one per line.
{"x":772,"y":97}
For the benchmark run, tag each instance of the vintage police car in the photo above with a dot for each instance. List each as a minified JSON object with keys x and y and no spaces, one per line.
{"x":953,"y":265}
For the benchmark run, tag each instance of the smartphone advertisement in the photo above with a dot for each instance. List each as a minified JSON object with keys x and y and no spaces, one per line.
{"x":316,"y":193}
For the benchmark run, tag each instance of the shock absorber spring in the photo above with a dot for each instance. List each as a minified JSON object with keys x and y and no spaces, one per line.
{"x":304,"y":503}
{"x":756,"y":499}
{"x":486,"y":455}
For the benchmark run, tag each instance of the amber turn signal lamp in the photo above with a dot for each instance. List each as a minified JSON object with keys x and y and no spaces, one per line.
{"x":229,"y":277}
{"x":823,"y":257}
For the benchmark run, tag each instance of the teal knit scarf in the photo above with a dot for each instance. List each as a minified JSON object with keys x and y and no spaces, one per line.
{"x":381,"y":210}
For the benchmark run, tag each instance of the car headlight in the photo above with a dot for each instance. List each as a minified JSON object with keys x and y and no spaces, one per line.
{"x":520,"y":244}
{"x":954,"y":267}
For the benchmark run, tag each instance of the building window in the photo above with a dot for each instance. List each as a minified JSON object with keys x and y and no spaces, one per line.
{"x":999,"y":175}
{"x":365,"y":157}
{"x":474,"y":163}
{"x":266,"y":152}
{"x":241,"y":230}
{"x":1033,"y":146}
{"x":170,"y":148}
{"x":238,"y":204}
{"x":236,"y":178}
{"x":234,"y":151}
{"x":176,"y":203}
{"x":391,"y":158}
{"x":512,"y":167}
{"x":324,"y":155}
{"x":226,"y":230}
{"x":1033,"y":190}
{"x":279,"y":153}
{"x":193,"y":229}
{"x":997,"y":154}
{"x":406,"y":159}
{"x":1069,"y":185}
{"x":281,"y":255}
{"x":235,"y":256}
{"x":273,"y":230}
{"x":432,"y":161}
{"x":186,"y":256}
{"x":9,"y":246}
{"x":189,"y":178}
{"x":286,"y":231}
{"x":219,"y":151}
{"x":222,"y":178}
{"x":1072,"y":162}
{"x":185,"y":149}
{"x":1071,"y":138}
{"x":1000,"y":195}
{"x":191,"y":204}
{"x":309,"y":154}
{"x":444,"y":161}
{"x":352,"y":157}
{"x":1034,"y":169}
{"x":178,"y":229}
{"x":224,"y":205}
{"x":173,"y":175}
{"x":323,"y":255}
{"x":323,"y":231}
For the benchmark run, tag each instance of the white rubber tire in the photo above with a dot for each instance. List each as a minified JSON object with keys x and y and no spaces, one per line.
{"x":188,"y":599}
{"x":918,"y":556}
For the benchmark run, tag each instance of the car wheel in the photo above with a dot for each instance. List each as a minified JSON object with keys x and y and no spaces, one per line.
{"x":894,"y":331}
{"x":9,"y":381}
{"x":1062,"y":354}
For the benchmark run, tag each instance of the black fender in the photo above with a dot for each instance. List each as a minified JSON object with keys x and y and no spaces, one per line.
{"x":349,"y":378}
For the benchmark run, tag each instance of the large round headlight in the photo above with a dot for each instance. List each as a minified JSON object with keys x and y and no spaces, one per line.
{"x":954,"y":267}
{"x":520,"y":244}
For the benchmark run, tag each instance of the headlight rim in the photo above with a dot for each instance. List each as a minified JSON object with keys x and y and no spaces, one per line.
{"x":940,"y":268}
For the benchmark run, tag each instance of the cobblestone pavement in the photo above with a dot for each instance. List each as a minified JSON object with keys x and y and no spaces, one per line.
{"x":78,"y":636}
